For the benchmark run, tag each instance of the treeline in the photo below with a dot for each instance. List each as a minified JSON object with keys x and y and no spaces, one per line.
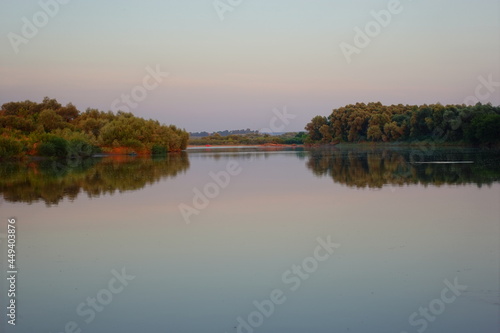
{"x":250,"y":139}
{"x":223,"y":133}
{"x":51,"y":129}
{"x":375,"y":122}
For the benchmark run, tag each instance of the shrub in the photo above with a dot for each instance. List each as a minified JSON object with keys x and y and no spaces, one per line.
{"x":158,"y":150}
{"x":80,"y":148}
{"x":10,"y":148}
{"x":54,"y":147}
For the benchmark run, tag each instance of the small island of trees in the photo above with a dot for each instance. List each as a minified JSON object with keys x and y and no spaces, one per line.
{"x":50,"y":129}
{"x":374,"y":122}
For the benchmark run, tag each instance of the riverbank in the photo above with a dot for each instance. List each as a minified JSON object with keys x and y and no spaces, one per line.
{"x":246,"y":145}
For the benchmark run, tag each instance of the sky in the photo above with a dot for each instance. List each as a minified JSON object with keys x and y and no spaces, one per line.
{"x":208,"y":65}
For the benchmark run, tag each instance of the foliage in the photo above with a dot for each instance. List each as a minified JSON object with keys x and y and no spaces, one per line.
{"x":50,"y":129}
{"x":375,"y":122}
{"x":297,"y":139}
{"x":80,"y":148}
{"x":223,"y":133}
{"x":314,"y":128}
{"x":10,"y":148}
{"x":54,"y":146}
{"x":250,"y":139}
{"x":484,"y":129}
{"x":158,"y":150}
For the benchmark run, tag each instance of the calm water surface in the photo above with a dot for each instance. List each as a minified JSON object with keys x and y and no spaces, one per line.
{"x":415,"y":243}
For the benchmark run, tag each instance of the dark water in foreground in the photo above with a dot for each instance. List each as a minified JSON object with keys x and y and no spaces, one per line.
{"x":253,"y":240}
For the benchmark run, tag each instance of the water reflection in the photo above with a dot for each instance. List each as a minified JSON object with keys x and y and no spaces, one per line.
{"x":246,"y":153}
{"x":377,"y":167}
{"x":397,"y":247}
{"x":52,"y":181}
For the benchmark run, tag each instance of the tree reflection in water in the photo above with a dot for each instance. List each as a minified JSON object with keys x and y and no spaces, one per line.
{"x":375,"y":168}
{"x":51,"y":181}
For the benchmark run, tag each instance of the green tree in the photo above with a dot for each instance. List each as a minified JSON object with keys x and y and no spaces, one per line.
{"x":326,"y":133}
{"x":50,"y":120}
{"x":10,"y":148}
{"x":68,"y":112}
{"x":484,"y":129}
{"x":313,"y":128}
{"x":54,"y":146}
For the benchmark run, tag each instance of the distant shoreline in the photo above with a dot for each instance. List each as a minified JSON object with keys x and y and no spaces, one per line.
{"x":247,"y":145}
{"x":357,"y":144}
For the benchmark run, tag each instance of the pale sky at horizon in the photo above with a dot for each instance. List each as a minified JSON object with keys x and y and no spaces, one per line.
{"x":231,"y":74}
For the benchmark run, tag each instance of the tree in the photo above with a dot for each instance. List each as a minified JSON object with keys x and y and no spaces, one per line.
{"x":68,"y":112}
{"x":377,"y":122}
{"x":392,"y":131}
{"x":24,"y":109}
{"x":14,"y":122}
{"x":49,"y":103}
{"x":50,"y":120}
{"x":484,"y":129}
{"x":374,"y":132}
{"x":325,"y":131}
{"x":313,"y":128}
